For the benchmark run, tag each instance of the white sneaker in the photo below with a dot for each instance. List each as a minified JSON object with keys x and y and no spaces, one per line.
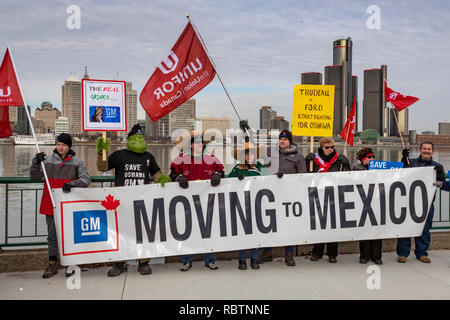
{"x":212,"y":266}
{"x":185,"y":266}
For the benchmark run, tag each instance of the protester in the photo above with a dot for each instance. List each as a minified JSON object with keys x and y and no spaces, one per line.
{"x":196,"y":164}
{"x":133,"y":166}
{"x":326,"y":159}
{"x":287,"y":160}
{"x":66,"y":171}
{"x":422,"y":243}
{"x":249,"y":167}
{"x":369,"y":249}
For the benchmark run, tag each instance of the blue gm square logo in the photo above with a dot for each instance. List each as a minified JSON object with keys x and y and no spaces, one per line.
{"x":90,"y":226}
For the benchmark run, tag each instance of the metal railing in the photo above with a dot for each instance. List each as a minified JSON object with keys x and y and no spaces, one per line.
{"x":22,"y":198}
{"x":25,"y":207}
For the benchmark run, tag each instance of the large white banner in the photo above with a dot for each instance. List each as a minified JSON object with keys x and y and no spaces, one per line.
{"x":125,"y":223}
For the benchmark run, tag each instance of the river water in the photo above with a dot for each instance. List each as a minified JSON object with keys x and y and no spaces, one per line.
{"x":16,"y":160}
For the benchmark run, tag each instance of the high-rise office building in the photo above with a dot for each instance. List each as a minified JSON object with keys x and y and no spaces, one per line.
{"x":444,"y":127}
{"x":158,"y":129}
{"x":279,"y":123}
{"x":266,"y":114}
{"x":23,"y":126}
{"x":342,"y":56}
{"x":48,"y":114}
{"x":61,"y":125}
{"x":355,"y":95}
{"x":333,"y":76}
{"x":375,"y":113}
{"x":311,"y":78}
{"x":221,"y":124}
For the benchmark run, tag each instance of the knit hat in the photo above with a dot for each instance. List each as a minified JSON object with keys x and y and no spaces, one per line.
{"x":135,"y":130}
{"x":64,"y":138}
{"x":286,"y":134}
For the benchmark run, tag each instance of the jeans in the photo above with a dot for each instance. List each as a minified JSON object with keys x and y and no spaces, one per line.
{"x":51,"y":238}
{"x":209,"y":258}
{"x":422,"y":243}
{"x":242,"y":254}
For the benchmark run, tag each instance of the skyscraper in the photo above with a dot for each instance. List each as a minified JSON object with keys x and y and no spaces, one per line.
{"x":266,"y":114}
{"x":333,"y":76}
{"x":375,"y":113}
{"x":342,"y":56}
{"x":311,"y":78}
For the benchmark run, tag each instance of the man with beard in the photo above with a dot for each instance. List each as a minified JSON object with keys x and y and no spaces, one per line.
{"x":326,"y":159}
{"x":425,"y":159}
{"x":133,"y":166}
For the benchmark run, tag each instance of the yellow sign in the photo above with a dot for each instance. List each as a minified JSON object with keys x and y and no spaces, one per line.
{"x":312,"y":113}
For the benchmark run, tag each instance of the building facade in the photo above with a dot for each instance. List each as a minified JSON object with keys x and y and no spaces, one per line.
{"x":48,"y":115}
{"x":208,"y":123}
{"x":266,"y":114}
{"x":375,"y":114}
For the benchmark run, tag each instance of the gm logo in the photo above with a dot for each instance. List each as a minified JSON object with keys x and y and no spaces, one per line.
{"x":90,"y":226}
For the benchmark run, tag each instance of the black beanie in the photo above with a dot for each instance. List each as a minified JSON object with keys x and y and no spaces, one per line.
{"x":135,"y":130}
{"x":286,"y":134}
{"x":64,"y":138}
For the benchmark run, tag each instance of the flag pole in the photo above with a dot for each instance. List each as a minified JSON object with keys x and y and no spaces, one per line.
{"x":32,"y":128}
{"x":188,"y":16}
{"x":398,"y":128}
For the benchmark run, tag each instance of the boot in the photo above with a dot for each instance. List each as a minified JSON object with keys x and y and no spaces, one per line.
{"x":117,"y":269}
{"x":254,"y":264}
{"x":51,"y":270}
{"x":289,"y":260}
{"x":144,"y":268}
{"x":242,"y":265}
{"x":266,"y":257}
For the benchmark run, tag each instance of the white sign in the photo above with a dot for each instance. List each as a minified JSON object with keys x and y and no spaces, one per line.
{"x":104,"y":105}
{"x":124,"y":223}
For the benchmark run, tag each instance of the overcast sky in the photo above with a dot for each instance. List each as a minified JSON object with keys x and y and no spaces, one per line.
{"x":260,"y":47}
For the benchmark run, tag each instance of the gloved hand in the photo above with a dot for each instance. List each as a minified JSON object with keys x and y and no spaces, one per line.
{"x":310,"y":157}
{"x":101,"y":144}
{"x":343,"y":159}
{"x":244,"y":125}
{"x":438,"y":184}
{"x":215,"y":179}
{"x":163,"y":179}
{"x":405,"y":153}
{"x":66,"y":187}
{"x":240,"y":176}
{"x":280,"y":174}
{"x":40,"y":157}
{"x":183,"y":181}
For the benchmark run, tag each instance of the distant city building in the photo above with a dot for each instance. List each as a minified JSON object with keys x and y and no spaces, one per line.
{"x":182,"y":117}
{"x":158,"y":129}
{"x":221,"y":124}
{"x":39,"y":126}
{"x":375,"y":113}
{"x":131,"y":98}
{"x":266,"y":114}
{"x":342,"y":56}
{"x":23,"y":126}
{"x":61,"y":125}
{"x":13,"y":114}
{"x":444,"y":127}
{"x":311,"y":78}
{"x":279,"y":123}
{"x":48,"y":114}
{"x":355,"y":94}
{"x":428,"y":132}
{"x":334,"y":76}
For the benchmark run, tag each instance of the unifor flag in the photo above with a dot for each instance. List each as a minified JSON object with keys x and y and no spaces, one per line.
{"x":184,"y":72}
{"x":398,"y":100}
{"x":9,"y":93}
{"x":348,"y":132}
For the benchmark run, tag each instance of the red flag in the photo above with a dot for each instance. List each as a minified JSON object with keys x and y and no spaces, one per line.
{"x":348,"y":132}
{"x":398,"y":100}
{"x":9,"y":86}
{"x":5,"y":129}
{"x":178,"y":77}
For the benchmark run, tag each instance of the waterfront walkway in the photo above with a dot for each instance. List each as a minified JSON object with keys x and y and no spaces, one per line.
{"x":308,"y":280}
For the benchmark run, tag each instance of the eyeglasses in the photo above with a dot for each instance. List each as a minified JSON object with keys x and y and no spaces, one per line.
{"x":328,"y":147}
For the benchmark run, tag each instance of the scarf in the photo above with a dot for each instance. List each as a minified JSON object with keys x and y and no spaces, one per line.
{"x":324,"y":162}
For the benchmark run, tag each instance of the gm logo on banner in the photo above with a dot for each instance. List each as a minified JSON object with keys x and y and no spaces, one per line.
{"x":90,"y":226}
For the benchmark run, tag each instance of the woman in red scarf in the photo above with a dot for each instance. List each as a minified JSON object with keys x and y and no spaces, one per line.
{"x":326,"y":159}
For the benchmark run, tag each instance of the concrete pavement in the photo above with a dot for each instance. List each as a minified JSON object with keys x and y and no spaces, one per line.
{"x":348,"y":279}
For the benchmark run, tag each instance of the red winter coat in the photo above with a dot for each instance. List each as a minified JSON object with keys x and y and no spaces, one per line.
{"x":195,"y":168}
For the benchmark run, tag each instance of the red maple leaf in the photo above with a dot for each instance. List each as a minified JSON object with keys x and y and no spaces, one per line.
{"x":110,"y":203}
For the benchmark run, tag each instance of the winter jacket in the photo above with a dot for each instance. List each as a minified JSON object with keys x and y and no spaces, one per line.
{"x":420,"y":162}
{"x":59,"y":171}
{"x":256,"y":170}
{"x":359,"y":166}
{"x":290,"y":161}
{"x":195,"y":168}
{"x":335,"y":166}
